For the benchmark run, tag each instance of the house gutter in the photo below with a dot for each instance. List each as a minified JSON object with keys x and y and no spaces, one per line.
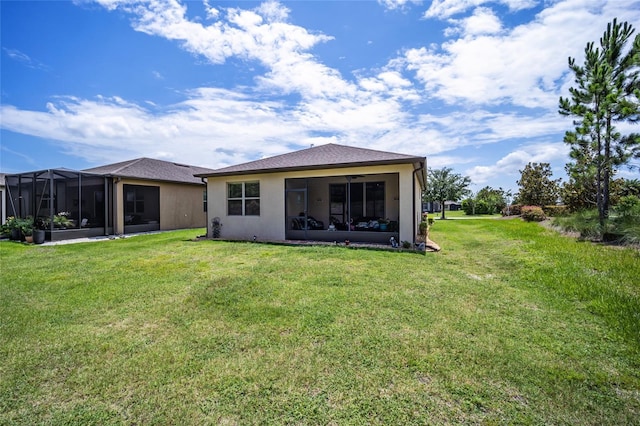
{"x":415,"y":171}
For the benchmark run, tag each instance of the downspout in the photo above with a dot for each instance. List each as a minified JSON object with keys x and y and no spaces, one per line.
{"x":206,"y":191}
{"x":415,"y":225}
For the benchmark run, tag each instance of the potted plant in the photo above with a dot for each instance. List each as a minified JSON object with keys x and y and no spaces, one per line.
{"x":62,"y":221}
{"x":40,"y":225}
{"x":13,"y":225}
{"x":4,"y":230}
{"x":26,"y":227}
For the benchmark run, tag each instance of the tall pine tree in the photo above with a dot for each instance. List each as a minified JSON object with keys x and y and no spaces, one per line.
{"x":607,"y":92}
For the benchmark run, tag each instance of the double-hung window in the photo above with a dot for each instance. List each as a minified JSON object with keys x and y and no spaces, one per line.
{"x":243,"y":199}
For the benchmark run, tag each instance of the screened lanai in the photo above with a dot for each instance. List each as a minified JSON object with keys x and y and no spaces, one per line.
{"x":363,"y":207}
{"x":84,"y":199}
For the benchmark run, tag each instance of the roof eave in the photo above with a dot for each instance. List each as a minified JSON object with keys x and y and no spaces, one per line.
{"x":148,"y":179}
{"x":411,"y":160}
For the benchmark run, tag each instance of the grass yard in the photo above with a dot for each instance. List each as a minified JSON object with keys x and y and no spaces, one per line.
{"x":460,"y":214}
{"x":509,"y":324}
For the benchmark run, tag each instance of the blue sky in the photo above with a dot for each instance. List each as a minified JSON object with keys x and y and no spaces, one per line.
{"x":470,"y":84}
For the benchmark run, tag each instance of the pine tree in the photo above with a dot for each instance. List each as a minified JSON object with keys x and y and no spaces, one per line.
{"x":607,"y":92}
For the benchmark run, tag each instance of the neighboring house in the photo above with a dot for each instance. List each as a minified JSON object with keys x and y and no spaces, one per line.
{"x":326,"y":193}
{"x":435,"y":206}
{"x":132,"y":196}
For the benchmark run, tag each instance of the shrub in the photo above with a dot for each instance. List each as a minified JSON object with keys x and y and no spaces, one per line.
{"x":513,"y":210}
{"x":628,"y":206}
{"x":467,"y":206}
{"x":532,"y":214}
{"x":585,"y":222}
{"x":631,"y":234}
{"x":471,"y":207}
{"x":555,"y":211}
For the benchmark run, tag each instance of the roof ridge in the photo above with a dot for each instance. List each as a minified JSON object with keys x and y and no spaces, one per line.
{"x":128,"y":164}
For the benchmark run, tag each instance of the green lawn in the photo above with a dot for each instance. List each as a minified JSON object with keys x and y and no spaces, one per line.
{"x":508,"y":324}
{"x":460,"y":214}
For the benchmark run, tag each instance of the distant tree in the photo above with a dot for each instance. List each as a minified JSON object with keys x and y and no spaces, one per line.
{"x":487,"y":201}
{"x":580,"y":196}
{"x":607,"y":92}
{"x":536,"y":188}
{"x":444,"y":185}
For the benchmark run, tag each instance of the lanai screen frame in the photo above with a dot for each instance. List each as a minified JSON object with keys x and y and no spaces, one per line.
{"x":43,"y":194}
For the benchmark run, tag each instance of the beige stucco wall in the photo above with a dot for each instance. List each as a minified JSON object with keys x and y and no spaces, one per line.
{"x":271,"y":223}
{"x":181,"y":205}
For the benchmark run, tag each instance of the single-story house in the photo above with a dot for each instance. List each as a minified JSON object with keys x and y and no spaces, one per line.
{"x":132,"y":196}
{"x":324,"y":193}
{"x":435,"y":206}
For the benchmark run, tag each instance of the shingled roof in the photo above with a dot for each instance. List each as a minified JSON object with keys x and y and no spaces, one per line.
{"x":151,"y":169}
{"x":319,"y":157}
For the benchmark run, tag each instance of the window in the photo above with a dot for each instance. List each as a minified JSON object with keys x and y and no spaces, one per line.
{"x":243,"y":199}
{"x":204,"y":200}
{"x":141,"y":204}
{"x":135,"y":201}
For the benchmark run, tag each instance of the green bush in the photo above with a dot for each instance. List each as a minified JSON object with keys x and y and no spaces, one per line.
{"x":532,"y":214}
{"x":626,"y":221}
{"x":555,"y":211}
{"x":628,"y":206}
{"x":622,"y":226}
{"x":585,"y":222}
{"x":471,"y":207}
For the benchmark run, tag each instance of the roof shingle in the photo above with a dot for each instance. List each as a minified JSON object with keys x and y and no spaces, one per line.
{"x":151,"y":169}
{"x":319,"y":157}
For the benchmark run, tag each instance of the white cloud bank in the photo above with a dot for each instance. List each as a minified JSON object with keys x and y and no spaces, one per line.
{"x":488,"y":65}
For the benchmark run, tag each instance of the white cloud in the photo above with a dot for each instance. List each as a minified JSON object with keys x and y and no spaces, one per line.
{"x":212,"y":12}
{"x":210,"y":119}
{"x":512,"y":163}
{"x":446,"y":8}
{"x":483,"y":21}
{"x":523,"y":66}
{"x":397,"y":4}
{"x":25,"y":59}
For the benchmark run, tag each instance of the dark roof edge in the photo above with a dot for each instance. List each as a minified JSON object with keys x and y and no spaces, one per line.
{"x":179,"y":182}
{"x":60,"y":169}
{"x":408,"y":160}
